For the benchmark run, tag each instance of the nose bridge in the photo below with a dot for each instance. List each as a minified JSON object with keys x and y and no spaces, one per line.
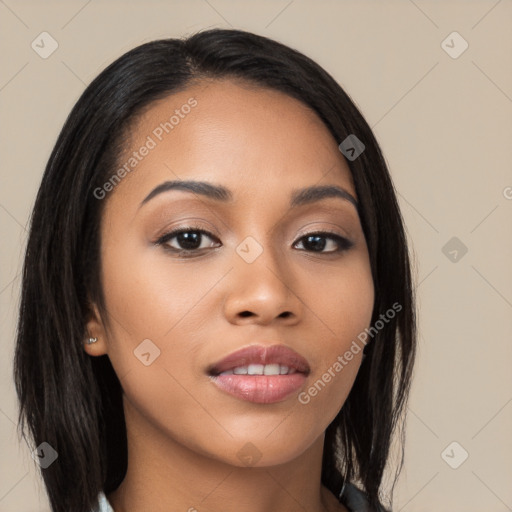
{"x":261,"y":283}
{"x":261,"y":264}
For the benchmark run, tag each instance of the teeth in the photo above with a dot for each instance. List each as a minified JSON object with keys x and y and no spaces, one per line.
{"x":255,"y":369}
{"x":271,"y":369}
{"x":261,"y":369}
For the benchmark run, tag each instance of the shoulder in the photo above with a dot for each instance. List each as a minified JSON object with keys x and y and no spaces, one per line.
{"x":356,"y":501}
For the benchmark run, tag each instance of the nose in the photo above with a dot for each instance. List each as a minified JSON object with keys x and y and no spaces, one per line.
{"x":262,"y":292}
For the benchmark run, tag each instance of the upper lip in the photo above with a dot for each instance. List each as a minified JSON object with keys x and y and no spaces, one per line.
{"x":260,"y":354}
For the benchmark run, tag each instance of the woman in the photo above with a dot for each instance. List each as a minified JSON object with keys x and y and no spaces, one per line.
{"x":217,"y":309}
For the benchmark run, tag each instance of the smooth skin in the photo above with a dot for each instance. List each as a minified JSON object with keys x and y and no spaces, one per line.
{"x":185,"y":436}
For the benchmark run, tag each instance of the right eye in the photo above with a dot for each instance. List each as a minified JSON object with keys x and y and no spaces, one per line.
{"x":187,"y":239}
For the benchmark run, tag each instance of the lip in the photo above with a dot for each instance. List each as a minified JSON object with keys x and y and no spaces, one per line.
{"x":260,"y":354}
{"x":263,"y":389}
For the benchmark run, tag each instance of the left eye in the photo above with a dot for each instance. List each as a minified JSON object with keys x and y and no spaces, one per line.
{"x":317,"y":242}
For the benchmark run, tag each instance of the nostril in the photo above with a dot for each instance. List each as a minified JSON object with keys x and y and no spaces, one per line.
{"x":245,"y":313}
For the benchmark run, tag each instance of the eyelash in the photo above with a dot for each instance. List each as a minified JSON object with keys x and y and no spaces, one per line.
{"x":343,"y":243}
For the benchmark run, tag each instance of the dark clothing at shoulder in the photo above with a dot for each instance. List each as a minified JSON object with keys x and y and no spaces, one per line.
{"x":356,"y":501}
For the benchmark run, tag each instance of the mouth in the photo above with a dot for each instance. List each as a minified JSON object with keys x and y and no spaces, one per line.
{"x":261,"y":360}
{"x":260,"y":374}
{"x":260,"y":369}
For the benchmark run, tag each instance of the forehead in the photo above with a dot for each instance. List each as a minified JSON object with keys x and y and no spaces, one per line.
{"x":246,"y":137}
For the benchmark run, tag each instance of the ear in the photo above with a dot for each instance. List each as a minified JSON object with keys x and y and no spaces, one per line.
{"x":95,"y":329}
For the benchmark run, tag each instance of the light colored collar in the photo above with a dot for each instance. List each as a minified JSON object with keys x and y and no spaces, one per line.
{"x":104,"y":504}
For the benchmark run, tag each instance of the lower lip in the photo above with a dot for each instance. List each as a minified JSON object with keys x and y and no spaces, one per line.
{"x":260,"y":389}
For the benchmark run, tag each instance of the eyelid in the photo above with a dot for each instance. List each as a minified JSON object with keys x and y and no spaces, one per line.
{"x":189,"y":223}
{"x":171,"y":233}
{"x":334,"y":230}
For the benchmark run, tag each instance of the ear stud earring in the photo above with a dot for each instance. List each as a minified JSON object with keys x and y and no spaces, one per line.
{"x":91,"y":340}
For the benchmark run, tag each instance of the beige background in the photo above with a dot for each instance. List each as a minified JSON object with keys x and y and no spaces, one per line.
{"x":445,"y":126}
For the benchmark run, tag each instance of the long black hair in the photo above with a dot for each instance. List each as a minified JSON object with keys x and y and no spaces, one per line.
{"x":73,"y":401}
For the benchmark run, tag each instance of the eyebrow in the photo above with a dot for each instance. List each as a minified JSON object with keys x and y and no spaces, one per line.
{"x":220,"y":193}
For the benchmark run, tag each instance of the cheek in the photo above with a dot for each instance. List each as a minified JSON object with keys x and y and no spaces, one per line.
{"x":342,"y":301}
{"x":146,"y":294}
{"x":345,"y":306}
{"x":161,"y":315}
{"x":153,"y":346}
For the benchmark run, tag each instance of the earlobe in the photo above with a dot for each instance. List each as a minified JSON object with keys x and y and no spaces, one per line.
{"x":95,"y":346}
{"x":95,"y":338}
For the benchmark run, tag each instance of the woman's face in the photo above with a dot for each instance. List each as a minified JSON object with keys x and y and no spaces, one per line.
{"x":255,"y":279}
